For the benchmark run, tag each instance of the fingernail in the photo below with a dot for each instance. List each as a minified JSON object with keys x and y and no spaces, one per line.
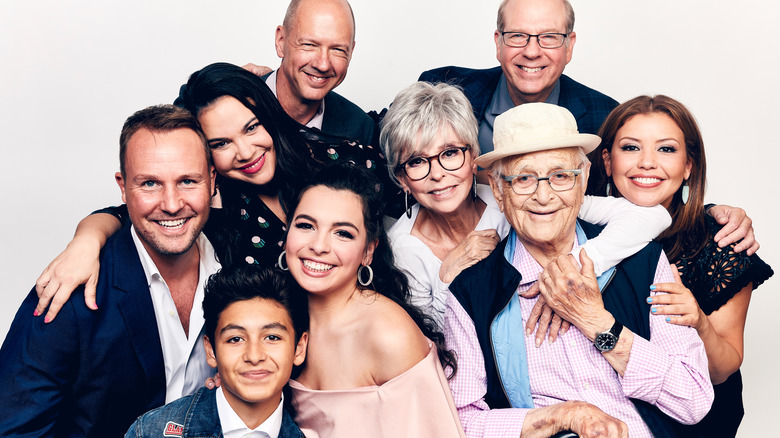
{"x":649,"y":299}
{"x":652,"y":287}
{"x":36,"y":313}
{"x":653,"y":310}
{"x":668,"y":319}
{"x":528,"y":332}
{"x":538,"y":343}
{"x":46,"y":320}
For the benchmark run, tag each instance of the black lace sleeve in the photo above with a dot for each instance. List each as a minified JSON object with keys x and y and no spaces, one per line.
{"x":119,"y":212}
{"x":715,"y":275}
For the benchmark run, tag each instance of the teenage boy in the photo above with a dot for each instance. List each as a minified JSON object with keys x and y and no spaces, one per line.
{"x":256,"y":323}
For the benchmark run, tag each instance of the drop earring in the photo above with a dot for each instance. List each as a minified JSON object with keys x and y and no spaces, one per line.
{"x":685,"y":193}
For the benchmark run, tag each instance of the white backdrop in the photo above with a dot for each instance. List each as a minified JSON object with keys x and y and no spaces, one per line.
{"x":71,"y":72}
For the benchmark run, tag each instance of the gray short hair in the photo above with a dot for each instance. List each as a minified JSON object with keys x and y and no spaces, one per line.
{"x":566,"y":4}
{"x":497,"y":168}
{"x":416,"y":116}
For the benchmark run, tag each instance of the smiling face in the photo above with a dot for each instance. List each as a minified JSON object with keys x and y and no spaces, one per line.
{"x":442,"y":191}
{"x":167,"y":187}
{"x":241,"y":147}
{"x":254,"y":350}
{"x":326,"y":242}
{"x":532,"y":71}
{"x":315,"y":49}
{"x":546,"y":219}
{"x":648,"y":160}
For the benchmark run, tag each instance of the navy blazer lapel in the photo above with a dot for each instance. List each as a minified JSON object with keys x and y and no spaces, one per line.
{"x":480,"y":89}
{"x":571,"y":100}
{"x":137,"y":308}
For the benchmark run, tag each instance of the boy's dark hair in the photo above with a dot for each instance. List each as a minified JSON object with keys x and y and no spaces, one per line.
{"x":242,"y":282}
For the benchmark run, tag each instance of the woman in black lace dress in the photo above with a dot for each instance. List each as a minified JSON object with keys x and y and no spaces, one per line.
{"x":652,"y":153}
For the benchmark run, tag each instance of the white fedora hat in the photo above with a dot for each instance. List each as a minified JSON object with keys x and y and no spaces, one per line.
{"x":533,"y":127}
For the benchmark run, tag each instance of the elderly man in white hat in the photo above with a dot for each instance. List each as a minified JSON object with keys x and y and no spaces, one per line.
{"x":620,"y":369}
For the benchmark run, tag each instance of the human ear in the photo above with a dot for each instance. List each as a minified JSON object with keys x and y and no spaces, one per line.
{"x":279,"y":41}
{"x":607,"y":161}
{"x":121,"y":182}
{"x":369,"y":255}
{"x":300,"y":349}
{"x":497,"y":193}
{"x":211,"y":357}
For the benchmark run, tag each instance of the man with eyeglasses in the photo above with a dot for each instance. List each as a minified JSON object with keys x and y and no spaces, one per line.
{"x":619,"y":370}
{"x":534,"y":42}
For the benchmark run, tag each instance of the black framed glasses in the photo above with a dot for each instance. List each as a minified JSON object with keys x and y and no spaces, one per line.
{"x":548,"y":40}
{"x":452,"y":158}
{"x":559,"y":181}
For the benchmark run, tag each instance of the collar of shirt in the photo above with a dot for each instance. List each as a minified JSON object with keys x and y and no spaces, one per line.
{"x":316,"y":121}
{"x":184,"y":356}
{"x":516,"y":254}
{"x":500,"y":103}
{"x":234,"y":427}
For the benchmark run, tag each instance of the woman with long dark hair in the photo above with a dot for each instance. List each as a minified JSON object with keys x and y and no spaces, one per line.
{"x":374,"y":362}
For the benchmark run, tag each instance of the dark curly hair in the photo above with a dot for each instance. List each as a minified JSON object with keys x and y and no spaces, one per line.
{"x":388,"y":280}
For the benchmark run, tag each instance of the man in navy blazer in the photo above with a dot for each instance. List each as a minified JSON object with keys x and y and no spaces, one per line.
{"x":90,"y":373}
{"x":315,"y":42}
{"x":534,"y":42}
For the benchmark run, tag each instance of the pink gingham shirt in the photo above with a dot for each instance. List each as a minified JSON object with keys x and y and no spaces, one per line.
{"x":670,"y":371}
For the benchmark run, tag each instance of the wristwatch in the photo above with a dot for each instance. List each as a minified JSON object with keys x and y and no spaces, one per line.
{"x":606,"y":341}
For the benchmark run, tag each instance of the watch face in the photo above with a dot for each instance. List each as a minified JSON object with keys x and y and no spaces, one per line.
{"x":605,"y":341}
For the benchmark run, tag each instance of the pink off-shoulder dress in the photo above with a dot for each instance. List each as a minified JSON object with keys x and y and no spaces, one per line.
{"x":416,"y":403}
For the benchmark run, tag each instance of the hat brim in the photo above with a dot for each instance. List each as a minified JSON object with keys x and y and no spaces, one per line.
{"x":588,"y":142}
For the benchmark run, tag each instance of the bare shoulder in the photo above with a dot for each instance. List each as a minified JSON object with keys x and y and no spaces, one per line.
{"x":392,"y":338}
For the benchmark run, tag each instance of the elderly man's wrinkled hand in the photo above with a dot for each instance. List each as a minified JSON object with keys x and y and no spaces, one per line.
{"x":574,"y":294}
{"x":588,"y":421}
{"x":544,"y":315}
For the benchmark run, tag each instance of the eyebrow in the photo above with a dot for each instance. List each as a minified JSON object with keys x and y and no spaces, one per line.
{"x":335,"y":224}
{"x":252,"y":120}
{"x":146,"y":177}
{"x":272,"y":325}
{"x":657,"y":141}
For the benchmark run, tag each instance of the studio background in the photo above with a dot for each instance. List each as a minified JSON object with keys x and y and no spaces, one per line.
{"x":71,"y":72}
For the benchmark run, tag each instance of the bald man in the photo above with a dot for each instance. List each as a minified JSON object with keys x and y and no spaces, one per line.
{"x":315,"y":42}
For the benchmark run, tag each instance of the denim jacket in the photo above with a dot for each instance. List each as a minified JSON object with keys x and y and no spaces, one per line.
{"x":194,"y":416}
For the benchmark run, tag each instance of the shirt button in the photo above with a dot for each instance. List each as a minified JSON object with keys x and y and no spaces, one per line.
{"x":172,"y":313}
{"x":586,"y":386}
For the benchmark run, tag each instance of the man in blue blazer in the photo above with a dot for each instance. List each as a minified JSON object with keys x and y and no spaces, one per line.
{"x":534,"y":42}
{"x":90,"y":373}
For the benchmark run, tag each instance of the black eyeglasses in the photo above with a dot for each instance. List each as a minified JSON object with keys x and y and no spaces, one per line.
{"x":559,"y":181}
{"x":452,"y":158}
{"x":549,"y":40}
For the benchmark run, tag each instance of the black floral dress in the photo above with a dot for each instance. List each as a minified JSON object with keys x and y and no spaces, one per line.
{"x":714,"y":275}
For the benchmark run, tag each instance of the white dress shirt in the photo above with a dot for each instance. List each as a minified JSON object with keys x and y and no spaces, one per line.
{"x":316,"y":121}
{"x":233,"y":426}
{"x":186,"y":368}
